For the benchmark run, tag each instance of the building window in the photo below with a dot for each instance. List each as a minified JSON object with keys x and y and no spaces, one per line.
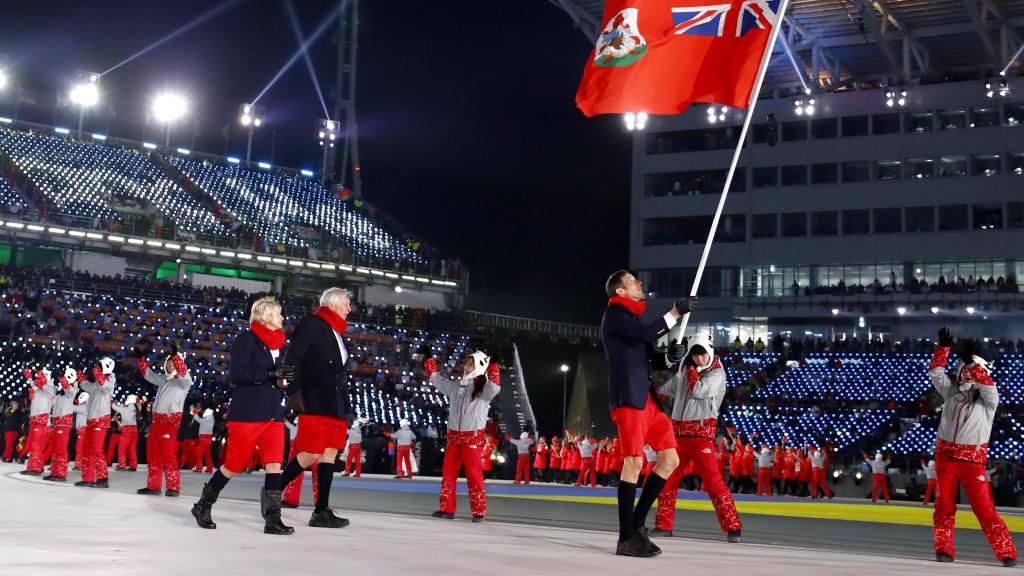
{"x":732,"y":228}
{"x":855,"y":126}
{"x":794,"y":224}
{"x":827,"y":173}
{"x":856,"y":171}
{"x":822,"y":128}
{"x":825,"y":223}
{"x":1014,"y":114}
{"x":794,"y":175}
{"x":764,"y":226}
{"x":952,"y":218}
{"x":952,"y":166}
{"x":988,"y":216}
{"x":794,"y":131}
{"x":674,"y":231}
{"x":985,"y":164}
{"x":921,"y":219}
{"x":953,"y":119}
{"x":1015,"y":215}
{"x":724,"y":138}
{"x":888,"y":170}
{"x":984,"y":117}
{"x":856,"y":222}
{"x":766,"y":177}
{"x":920,"y":168}
{"x":919,"y":121}
{"x":887,"y":221}
{"x":885,"y":123}
{"x":1015,"y":163}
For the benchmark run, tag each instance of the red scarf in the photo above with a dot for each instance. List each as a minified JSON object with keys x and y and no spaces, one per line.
{"x":637,"y":307}
{"x":274,"y":339}
{"x":337,"y":322}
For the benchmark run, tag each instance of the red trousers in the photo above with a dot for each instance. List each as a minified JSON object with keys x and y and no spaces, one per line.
{"x":950,"y":473}
{"x":59,"y":445}
{"x":10,"y":439}
{"x":38,"y":436}
{"x":929,"y":491}
{"x":463,"y":450}
{"x":204,"y":453}
{"x":127,"y":447}
{"x":95,"y":466}
{"x":115,"y":439}
{"x":404,"y":456}
{"x":764,"y":481}
{"x":354,"y":459}
{"x":587,"y":469}
{"x":523,"y":468}
{"x":293,"y":491}
{"x":162,"y":451}
{"x":818,"y":478}
{"x":701,"y":453}
{"x":187,"y":453}
{"x":879,"y":481}
{"x":80,"y":449}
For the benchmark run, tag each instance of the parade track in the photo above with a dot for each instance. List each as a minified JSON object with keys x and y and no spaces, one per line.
{"x":538,"y":529}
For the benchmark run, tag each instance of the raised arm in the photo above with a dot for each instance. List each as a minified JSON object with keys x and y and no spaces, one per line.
{"x":493,"y":385}
{"x":709,"y":384}
{"x":937,"y":368}
{"x":443,"y":385}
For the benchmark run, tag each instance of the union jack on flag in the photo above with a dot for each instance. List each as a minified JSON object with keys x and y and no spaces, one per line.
{"x":719,"y":19}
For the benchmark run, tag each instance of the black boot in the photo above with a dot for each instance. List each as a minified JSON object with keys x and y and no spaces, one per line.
{"x":103,"y":483}
{"x":272,"y":513}
{"x":85,"y":484}
{"x":943,"y":557}
{"x":734,"y":537}
{"x":201,"y":509}
{"x":53,"y":478}
{"x":1009,"y":562}
{"x":147,"y":492}
{"x":326,"y":519}
{"x":30,"y":473}
{"x":443,"y":514}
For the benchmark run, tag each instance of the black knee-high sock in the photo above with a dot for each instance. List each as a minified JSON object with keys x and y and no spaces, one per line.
{"x":324,"y":476}
{"x":217,"y":482}
{"x":291,"y":472}
{"x":627,"y":493}
{"x":652,"y":487}
{"x":272,"y":482}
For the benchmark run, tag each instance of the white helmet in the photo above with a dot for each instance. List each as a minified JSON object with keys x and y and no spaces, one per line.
{"x":764,"y":449}
{"x":704,"y":343}
{"x":878,"y":456}
{"x":524,"y":435}
{"x":403,"y":423}
{"x":83,"y":397}
{"x":107,"y":365}
{"x":931,"y":463}
{"x":208,"y":412}
{"x":480,"y":362}
{"x":71,"y":375}
{"x":47,"y":374}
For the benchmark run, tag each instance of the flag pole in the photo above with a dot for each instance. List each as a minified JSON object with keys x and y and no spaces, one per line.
{"x":762,"y":70}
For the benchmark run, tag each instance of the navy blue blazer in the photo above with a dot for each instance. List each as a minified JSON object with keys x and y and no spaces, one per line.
{"x":254,"y":397}
{"x":629,"y":348}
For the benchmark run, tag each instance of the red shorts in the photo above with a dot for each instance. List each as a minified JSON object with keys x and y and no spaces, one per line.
{"x":243,"y":437}
{"x":639,"y":427}
{"x":318,"y":433}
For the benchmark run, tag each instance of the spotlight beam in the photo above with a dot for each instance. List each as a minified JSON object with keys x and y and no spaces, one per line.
{"x":1012,"y":60}
{"x":215,"y":11}
{"x":293,"y":19}
{"x":317,"y":33}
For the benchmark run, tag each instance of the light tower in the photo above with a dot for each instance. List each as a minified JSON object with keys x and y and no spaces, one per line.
{"x":345,"y":100}
{"x":85,"y":94}
{"x":250,"y":116}
{"x":327,"y":133}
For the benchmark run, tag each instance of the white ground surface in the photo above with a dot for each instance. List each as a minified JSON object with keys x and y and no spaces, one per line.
{"x":55,"y":529}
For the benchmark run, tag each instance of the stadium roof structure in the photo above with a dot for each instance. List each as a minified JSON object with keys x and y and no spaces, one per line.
{"x":840,"y":44}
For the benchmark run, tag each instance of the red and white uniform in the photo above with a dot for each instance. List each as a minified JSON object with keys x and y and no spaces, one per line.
{"x":97,"y":414}
{"x":819,"y":474}
{"x":466,"y":420}
{"x":355,"y":450}
{"x":929,"y":475}
{"x":162,"y":445}
{"x":540,"y":458}
{"x":404,"y":439}
{"x":41,"y":392}
{"x":698,"y":394}
{"x":587,"y":446}
{"x":204,"y":445}
{"x":63,"y":416}
{"x":879,"y":476}
{"x":127,"y":445}
{"x":961,"y":452}
{"x":523,"y":445}
{"x":764,"y":472}
{"x":81,"y":416}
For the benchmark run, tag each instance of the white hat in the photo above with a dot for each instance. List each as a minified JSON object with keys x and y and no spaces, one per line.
{"x":524,"y":435}
{"x":208,"y":412}
{"x":702,"y":341}
{"x":131,"y":399}
{"x":403,"y":423}
{"x":71,"y":375}
{"x":47,"y":374}
{"x":963,"y":372}
{"x":480,"y":362}
{"x":169,"y":371}
{"x":83,"y":397}
{"x":107,"y":365}
{"x":878,"y":456}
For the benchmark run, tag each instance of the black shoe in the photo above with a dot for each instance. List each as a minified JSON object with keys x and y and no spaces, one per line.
{"x":399,"y":477}
{"x":1009,"y":562}
{"x":659,"y":533}
{"x":148,"y":492}
{"x":443,"y":514}
{"x":201,"y":509}
{"x":53,"y":478}
{"x":477,"y":518}
{"x":30,"y":473}
{"x":272,"y":513}
{"x":85,"y":484}
{"x":943,"y":557}
{"x":172,"y":493}
{"x":734,"y":537}
{"x":326,"y":519}
{"x":635,"y":546}
{"x":104,"y":483}
{"x":642,"y":532}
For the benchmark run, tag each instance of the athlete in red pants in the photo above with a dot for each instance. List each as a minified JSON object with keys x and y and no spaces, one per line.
{"x":403,"y":437}
{"x":523,"y":457}
{"x":879,"y":476}
{"x":819,"y":474}
{"x":698,"y":389}
{"x":203,"y":452}
{"x":470,"y":399}
{"x":969,"y":406}
{"x":63,"y":418}
{"x":929,"y":473}
{"x":586,"y":448}
{"x":127,"y":454}
{"x":41,"y":395}
{"x":94,"y":473}
{"x":81,"y":407}
{"x":354,"y":460}
{"x":162,"y":445}
{"x":764,"y":471}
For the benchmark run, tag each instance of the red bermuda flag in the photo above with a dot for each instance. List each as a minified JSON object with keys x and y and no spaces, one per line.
{"x":658,"y":56}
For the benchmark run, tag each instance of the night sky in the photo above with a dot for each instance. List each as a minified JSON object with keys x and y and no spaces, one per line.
{"x":469,"y":132}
